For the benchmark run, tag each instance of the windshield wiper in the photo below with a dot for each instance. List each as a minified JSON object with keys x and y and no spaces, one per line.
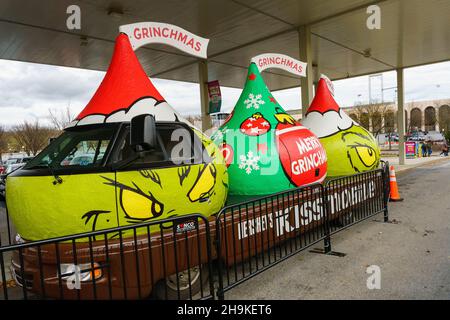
{"x":57,"y":180}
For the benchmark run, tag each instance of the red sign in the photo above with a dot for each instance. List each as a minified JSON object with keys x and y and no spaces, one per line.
{"x":303,"y":158}
{"x":410,"y":149}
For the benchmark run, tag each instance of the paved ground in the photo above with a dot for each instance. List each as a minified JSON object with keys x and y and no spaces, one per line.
{"x":413,"y":163}
{"x":414,"y":255}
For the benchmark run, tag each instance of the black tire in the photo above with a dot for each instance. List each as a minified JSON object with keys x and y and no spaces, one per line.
{"x":199,"y":280}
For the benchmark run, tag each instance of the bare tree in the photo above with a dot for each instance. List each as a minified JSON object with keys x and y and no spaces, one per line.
{"x":3,"y":141}
{"x":382,"y":117}
{"x":376,"y":112}
{"x":60,"y":118}
{"x":194,"y":119}
{"x":32,"y":136}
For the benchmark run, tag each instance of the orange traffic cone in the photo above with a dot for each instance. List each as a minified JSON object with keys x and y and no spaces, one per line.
{"x":394,"y":195}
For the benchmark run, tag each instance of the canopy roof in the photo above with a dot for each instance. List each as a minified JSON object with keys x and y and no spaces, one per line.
{"x":413,"y":32}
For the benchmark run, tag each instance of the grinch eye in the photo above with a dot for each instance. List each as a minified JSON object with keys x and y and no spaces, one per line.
{"x":140,"y":206}
{"x":366,"y":154}
{"x":204,"y":184}
{"x":137,"y":206}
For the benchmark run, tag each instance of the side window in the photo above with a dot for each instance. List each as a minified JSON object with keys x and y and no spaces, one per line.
{"x":175,"y":145}
{"x":86,"y":153}
{"x":126,"y":152}
{"x":178,"y":143}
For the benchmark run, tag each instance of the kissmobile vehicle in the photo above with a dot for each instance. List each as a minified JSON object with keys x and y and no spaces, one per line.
{"x":127,"y":158}
{"x":122,"y":163}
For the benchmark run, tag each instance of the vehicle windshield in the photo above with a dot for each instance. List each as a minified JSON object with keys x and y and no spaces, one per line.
{"x":77,"y":148}
{"x":12,"y":161}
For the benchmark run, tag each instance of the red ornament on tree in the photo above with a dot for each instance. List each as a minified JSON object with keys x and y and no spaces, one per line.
{"x":256,"y":125}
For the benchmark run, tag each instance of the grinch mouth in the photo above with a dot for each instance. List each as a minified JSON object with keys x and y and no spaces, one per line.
{"x":329,"y":123}
{"x":145,"y":105}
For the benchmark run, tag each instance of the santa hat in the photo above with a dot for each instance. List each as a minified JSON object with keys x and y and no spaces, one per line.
{"x":324,"y":116}
{"x":125,"y":92}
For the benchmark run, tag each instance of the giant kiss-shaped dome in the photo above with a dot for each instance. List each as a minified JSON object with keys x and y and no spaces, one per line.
{"x":350,"y":147}
{"x":266,"y":150}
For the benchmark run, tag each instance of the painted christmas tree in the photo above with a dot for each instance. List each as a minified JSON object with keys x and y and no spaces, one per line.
{"x":266,"y":150}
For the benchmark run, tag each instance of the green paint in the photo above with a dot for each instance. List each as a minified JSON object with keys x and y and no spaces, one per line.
{"x":255,"y":102}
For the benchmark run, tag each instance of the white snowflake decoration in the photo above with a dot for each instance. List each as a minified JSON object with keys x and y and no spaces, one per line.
{"x":253,"y":101}
{"x":249,"y":162}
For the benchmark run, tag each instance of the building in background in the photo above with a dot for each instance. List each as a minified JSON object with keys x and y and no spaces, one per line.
{"x":426,"y":116}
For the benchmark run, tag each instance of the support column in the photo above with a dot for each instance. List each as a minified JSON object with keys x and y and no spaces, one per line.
{"x":304,"y":36}
{"x":401,"y":116}
{"x":204,"y":98}
{"x":316,"y":72}
{"x":422,"y":120}
{"x":436,"y":127}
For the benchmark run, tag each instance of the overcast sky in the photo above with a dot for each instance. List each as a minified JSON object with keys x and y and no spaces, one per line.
{"x":28,"y":91}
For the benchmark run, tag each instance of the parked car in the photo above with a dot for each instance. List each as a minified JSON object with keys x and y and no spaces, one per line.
{"x":392,"y":136}
{"x":434,"y":136}
{"x":416,"y":136}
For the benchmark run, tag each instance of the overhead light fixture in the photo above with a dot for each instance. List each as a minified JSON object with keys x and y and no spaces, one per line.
{"x":367,"y":53}
{"x":115,"y":12}
{"x":84,"y":41}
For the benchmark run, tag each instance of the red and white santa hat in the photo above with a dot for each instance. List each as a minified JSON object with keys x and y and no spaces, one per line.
{"x":324,"y":117}
{"x":125,"y":92}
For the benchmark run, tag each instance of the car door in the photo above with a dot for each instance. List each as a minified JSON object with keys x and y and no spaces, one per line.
{"x":174,"y":179}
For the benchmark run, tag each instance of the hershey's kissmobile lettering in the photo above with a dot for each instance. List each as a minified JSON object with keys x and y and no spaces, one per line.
{"x":154,"y":32}
{"x":292,"y":218}
{"x":280,"y":61}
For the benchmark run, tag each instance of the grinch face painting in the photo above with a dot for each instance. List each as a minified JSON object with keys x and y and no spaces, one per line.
{"x":350,"y":148}
{"x":103,"y":192}
{"x":264,"y":148}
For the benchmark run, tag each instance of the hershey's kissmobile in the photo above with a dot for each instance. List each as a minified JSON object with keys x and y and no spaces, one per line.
{"x":307,"y":212}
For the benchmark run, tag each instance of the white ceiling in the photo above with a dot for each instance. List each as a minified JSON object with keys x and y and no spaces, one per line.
{"x":413,"y":32}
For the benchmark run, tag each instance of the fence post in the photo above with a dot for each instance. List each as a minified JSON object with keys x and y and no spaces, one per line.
{"x":327,"y":239}
{"x":8,"y":224}
{"x":220,"y":293}
{"x":386,"y":190}
{"x":208,"y":252}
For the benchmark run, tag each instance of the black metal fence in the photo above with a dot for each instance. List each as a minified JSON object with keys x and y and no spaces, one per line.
{"x":256,"y":235}
{"x":173,"y":258}
{"x":168,"y":259}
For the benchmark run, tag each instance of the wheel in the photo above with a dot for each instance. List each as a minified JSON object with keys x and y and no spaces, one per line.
{"x":197,"y":280}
